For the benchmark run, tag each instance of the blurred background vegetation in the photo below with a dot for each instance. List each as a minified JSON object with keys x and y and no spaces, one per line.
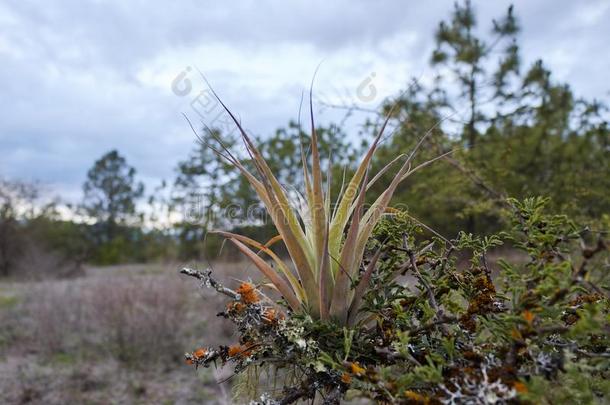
{"x":514,"y":131}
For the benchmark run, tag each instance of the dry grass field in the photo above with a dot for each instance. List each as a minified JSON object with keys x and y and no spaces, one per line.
{"x":114,"y":335}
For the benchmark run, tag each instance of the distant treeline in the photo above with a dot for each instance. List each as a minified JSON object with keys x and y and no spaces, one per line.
{"x":508,"y":129}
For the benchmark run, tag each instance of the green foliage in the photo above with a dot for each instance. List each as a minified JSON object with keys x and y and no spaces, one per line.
{"x":13,"y":196}
{"x":64,"y":237}
{"x":450,"y":331}
{"x":110,"y":193}
{"x":515,"y":131}
{"x":110,"y":196}
{"x":34,"y":241}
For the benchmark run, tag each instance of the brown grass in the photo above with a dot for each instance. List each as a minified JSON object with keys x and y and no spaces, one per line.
{"x":117,"y":334}
{"x":135,"y":319}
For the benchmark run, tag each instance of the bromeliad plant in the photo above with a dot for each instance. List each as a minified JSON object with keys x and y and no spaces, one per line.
{"x":325,"y":241}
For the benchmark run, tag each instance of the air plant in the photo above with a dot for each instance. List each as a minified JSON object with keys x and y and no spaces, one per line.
{"x":326,"y":243}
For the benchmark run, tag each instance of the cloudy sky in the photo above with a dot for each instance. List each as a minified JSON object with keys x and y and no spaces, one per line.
{"x":80,"y":77}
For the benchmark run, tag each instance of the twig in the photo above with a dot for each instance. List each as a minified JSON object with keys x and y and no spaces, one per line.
{"x":431,"y":298}
{"x":430,"y":325}
{"x":578,"y":275}
{"x":392,"y":356}
{"x":208,"y":281}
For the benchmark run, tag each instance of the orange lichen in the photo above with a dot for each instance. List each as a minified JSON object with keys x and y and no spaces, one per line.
{"x":200,"y":353}
{"x":520,"y":387}
{"x":528,"y":316}
{"x":356,"y":369}
{"x":235,"y":307}
{"x":234,"y":350}
{"x":248,"y":293}
{"x":346,"y":378}
{"x":270,"y":316}
{"x":516,"y":334}
{"x":247,"y":350}
{"x":240,"y":350}
{"x":415,"y":397}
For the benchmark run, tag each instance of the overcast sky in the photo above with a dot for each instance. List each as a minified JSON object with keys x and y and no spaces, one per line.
{"x":79,"y":78}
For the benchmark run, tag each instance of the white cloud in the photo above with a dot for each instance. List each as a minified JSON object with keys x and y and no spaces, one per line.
{"x":82,"y":77}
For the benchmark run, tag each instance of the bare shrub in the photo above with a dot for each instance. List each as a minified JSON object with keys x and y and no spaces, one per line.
{"x":140,"y":318}
{"x":135,"y":319}
{"x":52,"y":316}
